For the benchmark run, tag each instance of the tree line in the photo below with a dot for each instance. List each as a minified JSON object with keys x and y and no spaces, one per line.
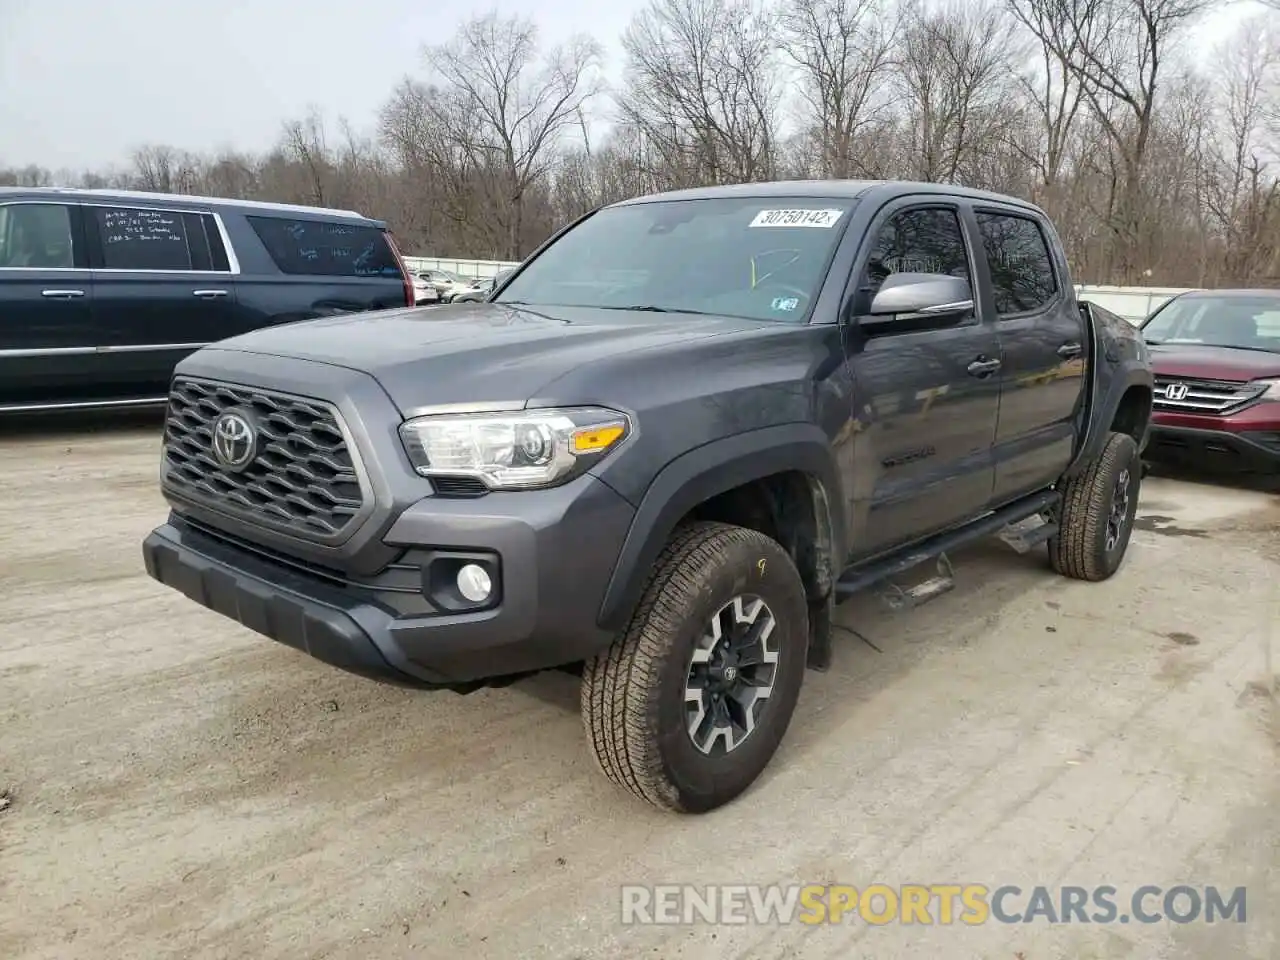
{"x":1156,"y":158}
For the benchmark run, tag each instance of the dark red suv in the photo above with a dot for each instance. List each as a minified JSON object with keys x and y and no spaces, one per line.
{"x":1216,"y":356}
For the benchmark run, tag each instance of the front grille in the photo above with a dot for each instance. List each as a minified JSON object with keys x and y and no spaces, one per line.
{"x":1203,"y":396}
{"x":303,"y":480}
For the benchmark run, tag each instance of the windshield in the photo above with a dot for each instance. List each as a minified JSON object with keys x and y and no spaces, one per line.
{"x":752,"y":258}
{"x":1246,"y":323}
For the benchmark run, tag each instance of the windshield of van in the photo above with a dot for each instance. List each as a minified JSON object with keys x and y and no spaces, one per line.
{"x":1245,"y":323}
{"x":759,"y":259}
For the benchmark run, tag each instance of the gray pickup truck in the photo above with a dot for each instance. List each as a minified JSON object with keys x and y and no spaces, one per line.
{"x":659,"y":454}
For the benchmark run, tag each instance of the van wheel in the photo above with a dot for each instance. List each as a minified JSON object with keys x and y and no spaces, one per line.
{"x":688,"y":706}
{"x":1095,"y":519}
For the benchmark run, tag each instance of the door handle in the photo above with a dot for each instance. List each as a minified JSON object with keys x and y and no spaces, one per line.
{"x":209,"y":294}
{"x":981,"y":367}
{"x":62,"y":294}
{"x":1069,"y":350}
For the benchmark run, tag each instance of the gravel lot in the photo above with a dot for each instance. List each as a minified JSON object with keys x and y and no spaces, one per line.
{"x":180,"y":787}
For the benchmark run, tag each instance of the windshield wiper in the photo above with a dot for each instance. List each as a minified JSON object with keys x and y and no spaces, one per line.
{"x":650,"y":308}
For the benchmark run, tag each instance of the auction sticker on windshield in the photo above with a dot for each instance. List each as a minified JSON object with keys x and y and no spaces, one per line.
{"x":796,"y":218}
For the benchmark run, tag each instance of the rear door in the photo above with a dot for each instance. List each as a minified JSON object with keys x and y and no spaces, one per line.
{"x":1042,"y":348}
{"x":322,"y":267}
{"x":48,"y":343}
{"x":159,"y":288}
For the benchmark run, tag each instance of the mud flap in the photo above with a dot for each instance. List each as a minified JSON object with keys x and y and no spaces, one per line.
{"x":820,"y":614}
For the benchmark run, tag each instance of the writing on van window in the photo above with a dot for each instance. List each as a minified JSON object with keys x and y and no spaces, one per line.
{"x":141,"y":226}
{"x":134,"y":238}
{"x":318,"y":248}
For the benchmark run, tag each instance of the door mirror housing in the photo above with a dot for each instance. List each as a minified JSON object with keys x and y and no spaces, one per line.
{"x":920,"y":294}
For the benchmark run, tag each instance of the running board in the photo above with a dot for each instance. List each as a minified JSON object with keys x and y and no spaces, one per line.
{"x":860,"y":578}
{"x":900,"y":599}
{"x":1026,"y":539}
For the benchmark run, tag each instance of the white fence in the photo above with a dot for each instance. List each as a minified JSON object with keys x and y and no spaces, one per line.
{"x":459,"y":268}
{"x":1132,"y":303}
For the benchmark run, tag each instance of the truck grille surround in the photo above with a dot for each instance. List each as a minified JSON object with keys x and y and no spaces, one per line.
{"x":1191,"y":395}
{"x":303,"y":480}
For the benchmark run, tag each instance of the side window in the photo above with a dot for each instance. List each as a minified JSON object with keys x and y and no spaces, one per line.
{"x":36,"y":236}
{"x":1021,"y":269}
{"x":923,"y":240}
{"x":320,"y":248}
{"x":133,"y":238}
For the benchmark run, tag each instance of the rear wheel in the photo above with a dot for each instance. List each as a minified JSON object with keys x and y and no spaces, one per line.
{"x":689,"y":704}
{"x":1095,"y":518}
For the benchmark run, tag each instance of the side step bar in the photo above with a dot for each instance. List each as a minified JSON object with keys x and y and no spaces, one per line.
{"x":860,"y":578}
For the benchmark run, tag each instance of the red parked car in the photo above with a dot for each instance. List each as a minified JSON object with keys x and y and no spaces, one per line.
{"x":1216,"y":357}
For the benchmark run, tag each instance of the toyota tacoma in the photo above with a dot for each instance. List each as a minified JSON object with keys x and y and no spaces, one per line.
{"x":659,"y":455}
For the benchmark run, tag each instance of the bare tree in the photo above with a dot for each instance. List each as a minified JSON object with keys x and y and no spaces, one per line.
{"x":1242,"y":198}
{"x":702,"y":90}
{"x":1052,"y":86}
{"x":955,"y":70}
{"x":843,"y":49}
{"x":165,"y":169}
{"x":1118,"y":50}
{"x":509,"y":108}
{"x":306,"y":142}
{"x":1154,"y":166}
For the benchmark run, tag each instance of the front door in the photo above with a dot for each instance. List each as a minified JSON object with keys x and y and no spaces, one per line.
{"x":48,"y":344}
{"x":923,"y":457}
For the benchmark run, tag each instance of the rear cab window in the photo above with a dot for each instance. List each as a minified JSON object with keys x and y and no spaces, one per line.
{"x":326,"y":248}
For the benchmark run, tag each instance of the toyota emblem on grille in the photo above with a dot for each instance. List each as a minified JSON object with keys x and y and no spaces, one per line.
{"x":1176,"y":391}
{"x":235,"y":441}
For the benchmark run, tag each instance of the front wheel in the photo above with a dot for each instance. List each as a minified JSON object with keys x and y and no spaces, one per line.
{"x":1095,"y":518}
{"x":689,"y":704}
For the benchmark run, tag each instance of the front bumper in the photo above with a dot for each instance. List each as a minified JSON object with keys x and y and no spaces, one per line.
{"x":555,"y":550}
{"x":1225,"y":450}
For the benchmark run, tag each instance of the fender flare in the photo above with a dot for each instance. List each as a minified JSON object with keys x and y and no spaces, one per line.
{"x":1121,"y":377}
{"x":712,"y":469}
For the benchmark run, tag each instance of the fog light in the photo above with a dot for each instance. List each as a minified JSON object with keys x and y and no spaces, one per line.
{"x":474,"y":582}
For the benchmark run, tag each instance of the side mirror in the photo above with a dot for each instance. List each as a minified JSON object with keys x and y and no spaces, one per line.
{"x":922,"y":294}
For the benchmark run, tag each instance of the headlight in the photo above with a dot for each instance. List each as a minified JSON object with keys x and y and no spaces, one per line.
{"x":520,"y":450}
{"x":1271,"y":391}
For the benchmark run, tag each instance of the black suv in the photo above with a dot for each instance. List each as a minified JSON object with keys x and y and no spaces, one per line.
{"x":103,"y":292}
{"x":659,"y":454}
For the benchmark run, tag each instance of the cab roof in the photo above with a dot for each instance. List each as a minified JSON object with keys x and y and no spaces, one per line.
{"x":880,"y":190}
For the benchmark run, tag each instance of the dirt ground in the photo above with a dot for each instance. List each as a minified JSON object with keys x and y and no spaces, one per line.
{"x":179,"y":787}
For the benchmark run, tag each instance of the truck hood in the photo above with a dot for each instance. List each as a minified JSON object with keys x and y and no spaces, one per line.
{"x":1212,"y":363}
{"x":477,"y":352}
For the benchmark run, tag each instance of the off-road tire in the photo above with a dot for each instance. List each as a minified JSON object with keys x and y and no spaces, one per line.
{"x":633,"y":693}
{"x":1080,"y":549}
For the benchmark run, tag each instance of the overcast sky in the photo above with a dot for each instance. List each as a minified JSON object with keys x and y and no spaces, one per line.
{"x":84,"y":82}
